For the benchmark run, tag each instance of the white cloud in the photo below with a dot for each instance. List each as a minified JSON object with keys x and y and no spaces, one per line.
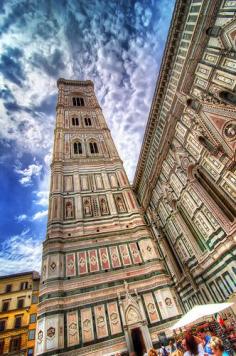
{"x":21,"y":217}
{"x":124,"y":76}
{"x":40,"y":214}
{"x":41,"y":198}
{"x":28,"y":173}
{"x":20,"y":253}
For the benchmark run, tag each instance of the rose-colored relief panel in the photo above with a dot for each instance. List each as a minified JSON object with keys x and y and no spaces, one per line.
{"x":115,"y":258}
{"x":104,"y":258}
{"x":93,"y":261}
{"x":70,"y":265}
{"x":82,"y":262}
{"x":125,"y":255}
{"x":135,"y":253}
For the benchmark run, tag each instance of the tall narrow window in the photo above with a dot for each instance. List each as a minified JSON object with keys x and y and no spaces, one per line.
{"x":88,"y":121}
{"x":18,"y":320}
{"x":20,"y":303}
{"x":73,"y":121}
{"x":24,"y":285}
{"x":8,"y":288}
{"x":76,"y":121}
{"x":93,"y":147}
{"x":1,"y":346}
{"x":2,"y":324}
{"x":77,"y":148}
{"x":5,"y":305}
{"x":15,"y":344}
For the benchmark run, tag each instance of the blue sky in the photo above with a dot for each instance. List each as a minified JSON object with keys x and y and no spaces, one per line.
{"x":118,"y":45}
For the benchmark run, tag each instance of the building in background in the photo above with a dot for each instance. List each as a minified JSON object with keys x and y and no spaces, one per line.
{"x":185,"y":179}
{"x":18,"y":313}
{"x":103,"y":285}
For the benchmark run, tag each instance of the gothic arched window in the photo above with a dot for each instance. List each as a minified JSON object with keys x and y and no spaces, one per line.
{"x":77,"y":148}
{"x":75,"y":121}
{"x":78,"y":101}
{"x":228,"y":97}
{"x":88,"y":121}
{"x":93,"y":147}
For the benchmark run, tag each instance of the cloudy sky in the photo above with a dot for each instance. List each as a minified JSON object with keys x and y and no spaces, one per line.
{"x":116,"y":43}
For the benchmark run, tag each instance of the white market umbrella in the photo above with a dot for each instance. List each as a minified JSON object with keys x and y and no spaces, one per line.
{"x":199,"y":311}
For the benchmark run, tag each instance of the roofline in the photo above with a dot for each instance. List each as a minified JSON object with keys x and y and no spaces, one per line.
{"x":161,"y":79}
{"x":75,"y":82}
{"x":33,"y":273}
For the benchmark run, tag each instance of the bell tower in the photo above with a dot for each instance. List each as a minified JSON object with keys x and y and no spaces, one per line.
{"x":96,"y":239}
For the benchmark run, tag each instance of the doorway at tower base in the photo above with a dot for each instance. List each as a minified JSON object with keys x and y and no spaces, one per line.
{"x":135,"y":323}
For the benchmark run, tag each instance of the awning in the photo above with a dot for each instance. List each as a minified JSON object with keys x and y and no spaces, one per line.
{"x":198,"y":312}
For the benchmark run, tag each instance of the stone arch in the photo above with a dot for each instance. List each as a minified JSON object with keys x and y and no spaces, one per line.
{"x":132,"y":315}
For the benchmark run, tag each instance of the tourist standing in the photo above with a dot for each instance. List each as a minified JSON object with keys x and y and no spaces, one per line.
{"x":217,"y":347}
{"x":192,"y":347}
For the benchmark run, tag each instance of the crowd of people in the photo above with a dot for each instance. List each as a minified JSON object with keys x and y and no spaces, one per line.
{"x":200,"y":344}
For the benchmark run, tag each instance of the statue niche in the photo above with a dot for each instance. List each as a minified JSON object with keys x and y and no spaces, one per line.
{"x":69,"y":209}
{"x":87,"y":207}
{"x":103,"y":206}
{"x":120,"y":204}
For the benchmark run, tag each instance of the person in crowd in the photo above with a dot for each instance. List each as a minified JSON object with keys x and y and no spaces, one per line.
{"x":171,"y":347}
{"x":217,"y":347}
{"x":152,"y":352}
{"x":179,"y":350}
{"x":206,"y":339}
{"x":193,"y":348}
{"x":163,"y":351}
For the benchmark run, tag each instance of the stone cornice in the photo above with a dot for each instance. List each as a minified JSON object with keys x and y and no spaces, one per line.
{"x":166,"y":64}
{"x":169,"y":57}
{"x":75,"y":82}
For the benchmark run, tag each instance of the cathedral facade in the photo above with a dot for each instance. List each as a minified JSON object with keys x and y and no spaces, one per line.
{"x":104,"y":288}
{"x":185,"y":180}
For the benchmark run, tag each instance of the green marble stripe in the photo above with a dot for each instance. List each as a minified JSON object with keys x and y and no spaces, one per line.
{"x":98,"y":287}
{"x":58,"y":311}
{"x":203,"y":280}
{"x":98,"y":245}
